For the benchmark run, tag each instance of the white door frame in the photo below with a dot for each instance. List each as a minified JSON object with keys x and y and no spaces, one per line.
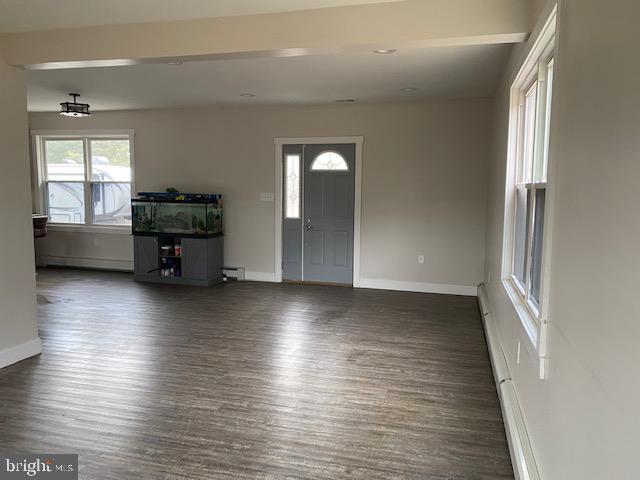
{"x":358,"y":141}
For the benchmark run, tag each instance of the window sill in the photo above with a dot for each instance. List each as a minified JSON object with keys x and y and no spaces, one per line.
{"x":111,"y":230}
{"x":527,"y":319}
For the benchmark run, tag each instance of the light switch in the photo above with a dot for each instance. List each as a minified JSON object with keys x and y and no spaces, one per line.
{"x":266,"y":196}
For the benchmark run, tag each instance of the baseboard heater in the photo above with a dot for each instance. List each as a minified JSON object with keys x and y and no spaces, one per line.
{"x":87,"y":263}
{"x":522,"y":459}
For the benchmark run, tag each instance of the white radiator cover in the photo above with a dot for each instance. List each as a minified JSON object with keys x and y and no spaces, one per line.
{"x":524,"y":465}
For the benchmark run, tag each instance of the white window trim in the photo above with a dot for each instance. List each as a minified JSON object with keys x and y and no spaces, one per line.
{"x":534,"y":320}
{"x":39,"y":169}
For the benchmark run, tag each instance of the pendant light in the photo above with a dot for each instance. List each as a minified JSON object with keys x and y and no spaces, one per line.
{"x":74,"y":109}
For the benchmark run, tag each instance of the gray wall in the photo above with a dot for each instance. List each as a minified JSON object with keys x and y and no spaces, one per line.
{"x":18,"y":324}
{"x":583,"y":419}
{"x":424,"y":174}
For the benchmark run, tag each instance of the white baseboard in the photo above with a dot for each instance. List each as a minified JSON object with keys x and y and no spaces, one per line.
{"x":522,"y":459}
{"x":260,"y":276}
{"x":97,"y":263}
{"x":14,"y":354}
{"x":421,"y":287}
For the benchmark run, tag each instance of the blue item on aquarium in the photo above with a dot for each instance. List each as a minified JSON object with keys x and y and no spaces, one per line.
{"x":177,"y":196}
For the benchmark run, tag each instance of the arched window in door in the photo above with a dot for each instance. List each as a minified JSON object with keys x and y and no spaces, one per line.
{"x":329,"y":161}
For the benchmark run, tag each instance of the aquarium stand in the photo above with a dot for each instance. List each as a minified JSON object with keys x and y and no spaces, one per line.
{"x":178,"y":259}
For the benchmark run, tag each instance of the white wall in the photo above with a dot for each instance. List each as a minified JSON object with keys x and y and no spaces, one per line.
{"x":18,"y":325}
{"x":424,"y":174}
{"x":536,"y":8}
{"x":583,"y":419}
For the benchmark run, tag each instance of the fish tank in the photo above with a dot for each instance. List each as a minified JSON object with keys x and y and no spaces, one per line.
{"x":195,"y":215}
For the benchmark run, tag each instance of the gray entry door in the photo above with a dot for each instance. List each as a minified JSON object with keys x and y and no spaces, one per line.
{"x":329,"y":193}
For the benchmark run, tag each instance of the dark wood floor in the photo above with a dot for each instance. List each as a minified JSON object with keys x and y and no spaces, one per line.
{"x":254,"y":380}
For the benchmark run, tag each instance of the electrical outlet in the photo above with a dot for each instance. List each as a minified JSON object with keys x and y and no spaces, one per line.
{"x":420,"y":258}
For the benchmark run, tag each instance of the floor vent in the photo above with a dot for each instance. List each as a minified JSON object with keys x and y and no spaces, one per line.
{"x":235,"y":273}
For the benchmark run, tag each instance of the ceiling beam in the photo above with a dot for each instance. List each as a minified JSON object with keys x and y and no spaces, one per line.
{"x":352,"y":28}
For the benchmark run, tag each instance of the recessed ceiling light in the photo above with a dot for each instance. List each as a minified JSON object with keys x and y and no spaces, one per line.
{"x":247,"y":95}
{"x":175,"y":63}
{"x":383,"y":51}
{"x":346,"y":100}
{"x":409,"y":89}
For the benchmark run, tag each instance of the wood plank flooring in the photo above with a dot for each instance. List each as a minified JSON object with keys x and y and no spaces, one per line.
{"x":253,"y":380}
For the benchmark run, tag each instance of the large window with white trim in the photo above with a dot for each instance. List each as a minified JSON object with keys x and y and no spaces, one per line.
{"x":85,"y":179}
{"x":526,"y":213}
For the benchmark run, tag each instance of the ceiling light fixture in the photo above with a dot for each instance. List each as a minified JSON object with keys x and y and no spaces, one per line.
{"x":74,"y":109}
{"x":247,"y":95}
{"x":384,"y":51}
{"x":409,"y":89}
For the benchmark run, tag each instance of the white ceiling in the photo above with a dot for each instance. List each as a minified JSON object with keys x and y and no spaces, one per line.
{"x":26,"y":15}
{"x":438,"y":72}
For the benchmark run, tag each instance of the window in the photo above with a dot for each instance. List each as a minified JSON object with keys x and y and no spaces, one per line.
{"x":526,"y":216}
{"x":292,"y":186}
{"x":85,"y":179}
{"x":329,"y":161}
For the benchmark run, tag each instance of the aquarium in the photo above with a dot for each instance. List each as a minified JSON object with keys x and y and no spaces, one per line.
{"x":185,"y":214}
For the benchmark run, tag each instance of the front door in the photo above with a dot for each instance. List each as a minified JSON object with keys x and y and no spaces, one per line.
{"x":325,"y":220}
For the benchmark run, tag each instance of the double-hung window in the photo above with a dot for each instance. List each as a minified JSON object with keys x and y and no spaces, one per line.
{"x":526,"y":217}
{"x":85,"y":179}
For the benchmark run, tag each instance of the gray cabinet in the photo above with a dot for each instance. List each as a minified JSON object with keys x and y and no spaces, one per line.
{"x":200,"y":261}
{"x":146,"y":257}
{"x":215,"y":258}
{"x":194,"y":258}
